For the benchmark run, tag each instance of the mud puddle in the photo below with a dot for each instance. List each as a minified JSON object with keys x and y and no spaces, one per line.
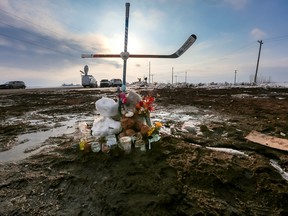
{"x":185,"y":119}
{"x":32,"y":143}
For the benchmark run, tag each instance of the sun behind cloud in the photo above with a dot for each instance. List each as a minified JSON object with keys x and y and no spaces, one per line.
{"x":116,"y":44}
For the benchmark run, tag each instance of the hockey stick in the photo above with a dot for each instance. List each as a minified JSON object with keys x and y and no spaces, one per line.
{"x":178,"y":53}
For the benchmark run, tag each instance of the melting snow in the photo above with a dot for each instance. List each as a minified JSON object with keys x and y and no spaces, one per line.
{"x":187,"y":119}
{"x":279,"y":169}
{"x":228,"y":150}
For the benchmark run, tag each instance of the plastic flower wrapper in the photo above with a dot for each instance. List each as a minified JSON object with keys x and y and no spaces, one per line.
{"x":153,"y":133}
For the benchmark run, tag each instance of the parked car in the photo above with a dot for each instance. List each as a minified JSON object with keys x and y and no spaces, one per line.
{"x":13,"y":85}
{"x":104,"y":83}
{"x":115,"y":82}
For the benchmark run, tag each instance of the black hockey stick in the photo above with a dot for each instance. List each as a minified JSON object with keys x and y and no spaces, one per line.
{"x":178,"y":53}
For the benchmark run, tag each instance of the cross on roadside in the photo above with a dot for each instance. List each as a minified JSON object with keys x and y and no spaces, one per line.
{"x":125,"y":55}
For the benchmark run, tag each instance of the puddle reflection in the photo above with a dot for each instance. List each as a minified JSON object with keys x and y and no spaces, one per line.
{"x":33,"y":140}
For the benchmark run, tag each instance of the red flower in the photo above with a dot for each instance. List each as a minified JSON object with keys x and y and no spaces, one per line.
{"x":145,"y":106}
{"x":150,"y":108}
{"x":138,"y":106}
{"x":123,"y":97}
{"x":124,"y":100}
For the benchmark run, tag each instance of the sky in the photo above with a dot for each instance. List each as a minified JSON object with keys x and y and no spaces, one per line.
{"x":41,"y":41}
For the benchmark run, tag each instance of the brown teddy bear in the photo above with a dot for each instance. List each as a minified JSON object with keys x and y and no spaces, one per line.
{"x":132,"y":123}
{"x":132,"y":126}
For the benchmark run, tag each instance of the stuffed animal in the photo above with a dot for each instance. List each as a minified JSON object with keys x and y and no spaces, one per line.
{"x":105,"y":124}
{"x":132,"y":126}
{"x":132,"y":123}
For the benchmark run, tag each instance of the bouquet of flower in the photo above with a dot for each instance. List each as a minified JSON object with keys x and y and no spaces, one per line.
{"x":153,"y":133}
{"x":154,"y":129}
{"x":144,"y":107}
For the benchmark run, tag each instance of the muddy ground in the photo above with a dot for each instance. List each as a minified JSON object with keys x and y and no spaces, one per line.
{"x":180,"y":175}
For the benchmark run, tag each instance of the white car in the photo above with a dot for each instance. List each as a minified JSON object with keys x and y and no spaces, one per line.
{"x":104,"y":83}
{"x":115,"y":82}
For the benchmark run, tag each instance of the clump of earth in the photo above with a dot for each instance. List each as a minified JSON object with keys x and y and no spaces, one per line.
{"x":182,"y":173}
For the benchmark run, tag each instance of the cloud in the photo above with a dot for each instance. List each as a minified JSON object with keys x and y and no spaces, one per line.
{"x":45,"y":38}
{"x":213,"y":2}
{"x":257,"y":33}
{"x":149,"y":21}
{"x":4,"y":41}
{"x":281,"y":62}
{"x":36,"y":16}
{"x":236,"y":4}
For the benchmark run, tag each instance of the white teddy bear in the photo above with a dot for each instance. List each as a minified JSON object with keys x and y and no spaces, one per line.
{"x":105,"y":125}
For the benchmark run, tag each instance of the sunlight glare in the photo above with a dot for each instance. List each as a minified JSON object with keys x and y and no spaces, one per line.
{"x":116,"y":44}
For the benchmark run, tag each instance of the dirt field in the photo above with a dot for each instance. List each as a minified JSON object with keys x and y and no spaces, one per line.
{"x":180,"y":175}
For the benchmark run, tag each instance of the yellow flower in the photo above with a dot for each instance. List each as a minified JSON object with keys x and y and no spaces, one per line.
{"x":150,"y":131}
{"x":82,"y":144}
{"x":158,"y":124}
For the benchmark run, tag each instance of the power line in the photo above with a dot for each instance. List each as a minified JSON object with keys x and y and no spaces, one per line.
{"x":276,"y":39}
{"x":247,"y":46}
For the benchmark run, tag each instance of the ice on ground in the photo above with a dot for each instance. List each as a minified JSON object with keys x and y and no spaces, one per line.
{"x":228,"y":150}
{"x":190,"y":126}
{"x":279,"y":169}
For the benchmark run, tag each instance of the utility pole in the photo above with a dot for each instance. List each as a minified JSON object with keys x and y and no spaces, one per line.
{"x":149,"y":74}
{"x":172,"y":75}
{"x":185,"y":76}
{"x":255,"y":78}
{"x":235,"y":77}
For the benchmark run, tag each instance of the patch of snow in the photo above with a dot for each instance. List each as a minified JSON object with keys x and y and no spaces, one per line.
{"x":228,"y":150}
{"x":189,"y":126}
{"x":218,"y":85}
{"x":279,"y":169}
